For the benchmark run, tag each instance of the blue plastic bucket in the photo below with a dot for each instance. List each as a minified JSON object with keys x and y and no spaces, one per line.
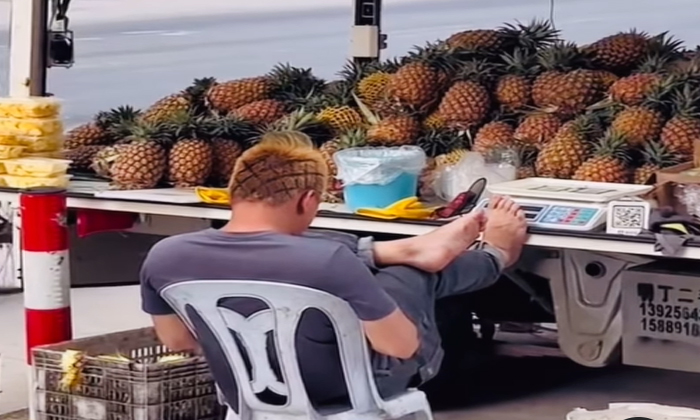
{"x":359,"y":196}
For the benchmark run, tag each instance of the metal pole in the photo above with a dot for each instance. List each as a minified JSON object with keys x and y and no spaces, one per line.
{"x":367,"y":39}
{"x":46,"y":273}
{"x":28,"y":47}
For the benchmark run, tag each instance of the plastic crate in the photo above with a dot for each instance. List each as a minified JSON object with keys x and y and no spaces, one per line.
{"x":139,"y":389}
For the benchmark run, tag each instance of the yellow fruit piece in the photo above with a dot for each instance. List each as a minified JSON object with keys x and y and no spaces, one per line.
{"x":36,"y":167}
{"x":8,"y":140}
{"x":39,"y":144}
{"x":31,"y":127}
{"x":408,"y":208}
{"x":2,"y":167}
{"x":21,"y":182}
{"x":72,"y":362}
{"x":171,"y":358}
{"x":114,"y":358}
{"x":11,"y":152}
{"x":37,"y":107}
{"x":212,"y":195}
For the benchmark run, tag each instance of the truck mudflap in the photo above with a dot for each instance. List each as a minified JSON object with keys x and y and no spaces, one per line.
{"x":586,"y":291}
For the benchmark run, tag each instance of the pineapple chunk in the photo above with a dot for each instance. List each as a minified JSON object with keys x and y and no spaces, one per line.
{"x":31,"y":127}
{"x":37,"y":107}
{"x":11,"y":152}
{"x":2,"y":168}
{"x":22,"y":182}
{"x":37,"y":167}
{"x":8,"y":140}
{"x":38,"y":144}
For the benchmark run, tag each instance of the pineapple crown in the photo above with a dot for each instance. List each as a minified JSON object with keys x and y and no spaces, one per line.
{"x":657,"y":154}
{"x":613,"y":145}
{"x":481,"y":71}
{"x":665,"y":46}
{"x":520,"y":62}
{"x":438,"y":142}
{"x":564,"y":56}
{"x":302,"y":120}
{"x":294,"y":82}
{"x":686,"y":101}
{"x":353,"y":72}
{"x":229,"y":128}
{"x":196,"y":93}
{"x":531,"y":37}
{"x":186,"y":125}
{"x":356,"y":137}
{"x":335,"y":93}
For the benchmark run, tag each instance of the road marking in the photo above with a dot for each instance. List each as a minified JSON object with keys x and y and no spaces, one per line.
{"x":89,"y":39}
{"x":142,"y":32}
{"x":177,"y":33}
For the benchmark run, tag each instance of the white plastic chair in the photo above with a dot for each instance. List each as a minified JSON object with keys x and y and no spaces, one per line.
{"x":286,"y":304}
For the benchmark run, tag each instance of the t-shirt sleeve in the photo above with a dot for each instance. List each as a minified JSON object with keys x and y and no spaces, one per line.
{"x":351,"y":280}
{"x":151,"y":301}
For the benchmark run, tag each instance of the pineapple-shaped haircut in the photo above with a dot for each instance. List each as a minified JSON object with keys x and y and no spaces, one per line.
{"x":281,"y":165}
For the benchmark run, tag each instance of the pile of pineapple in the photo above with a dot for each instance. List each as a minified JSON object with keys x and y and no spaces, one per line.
{"x":615,"y":110}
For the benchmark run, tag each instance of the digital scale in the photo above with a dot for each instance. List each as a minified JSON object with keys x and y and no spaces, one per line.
{"x":562,"y":204}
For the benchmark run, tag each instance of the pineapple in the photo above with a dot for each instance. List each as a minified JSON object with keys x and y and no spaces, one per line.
{"x":190,"y":159}
{"x":566,"y":87}
{"x":494,"y":135}
{"x":679,"y":133}
{"x":82,"y":156}
{"x":514,"y":89}
{"x":605,"y":79}
{"x":369,"y":80}
{"x":656,"y":157}
{"x":229,"y":137}
{"x":105,"y":128}
{"x":352,"y":138}
{"x":620,"y":52}
{"x":567,"y":150}
{"x":335,"y":108}
{"x":140,"y":162}
{"x":532,"y":36}
{"x":635,"y":88}
{"x":537,"y":129}
{"x":265,"y":111}
{"x":283,"y":82}
{"x":190,"y":99}
{"x":476,"y":39}
{"x":467,"y":102}
{"x":227,"y":96}
{"x":397,"y":130}
{"x":609,"y":162}
{"x":433,"y":122}
{"x":414,"y":84}
{"x":638,"y":124}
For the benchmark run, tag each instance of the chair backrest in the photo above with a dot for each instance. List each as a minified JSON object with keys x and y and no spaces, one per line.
{"x":286,"y":304}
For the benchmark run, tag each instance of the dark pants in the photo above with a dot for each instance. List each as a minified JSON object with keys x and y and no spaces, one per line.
{"x":416,"y":292}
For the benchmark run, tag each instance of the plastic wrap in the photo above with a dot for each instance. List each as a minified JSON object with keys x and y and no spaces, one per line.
{"x":689,"y":196}
{"x":378,"y":165}
{"x":455,"y":179}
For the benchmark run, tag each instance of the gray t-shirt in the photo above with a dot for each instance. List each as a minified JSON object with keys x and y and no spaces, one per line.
{"x":306,"y":261}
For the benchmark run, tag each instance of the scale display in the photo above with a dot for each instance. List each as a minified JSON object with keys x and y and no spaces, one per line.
{"x":559,"y":216}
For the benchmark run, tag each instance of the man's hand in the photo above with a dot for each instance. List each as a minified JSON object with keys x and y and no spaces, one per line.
{"x":174,"y":334}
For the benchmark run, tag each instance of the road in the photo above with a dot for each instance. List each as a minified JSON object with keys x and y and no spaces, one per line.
{"x":131,"y":62}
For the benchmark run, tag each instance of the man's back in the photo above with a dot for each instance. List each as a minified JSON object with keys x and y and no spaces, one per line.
{"x":312,"y":262}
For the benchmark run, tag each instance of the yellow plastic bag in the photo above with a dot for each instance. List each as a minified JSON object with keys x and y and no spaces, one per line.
{"x":212,"y":195}
{"x":408,"y":208}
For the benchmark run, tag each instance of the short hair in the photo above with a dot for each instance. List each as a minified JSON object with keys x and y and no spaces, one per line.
{"x":281,"y":165}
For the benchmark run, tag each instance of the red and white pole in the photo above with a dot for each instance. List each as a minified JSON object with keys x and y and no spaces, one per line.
{"x":45,"y":268}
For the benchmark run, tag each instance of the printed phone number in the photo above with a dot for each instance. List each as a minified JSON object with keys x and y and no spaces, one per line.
{"x":667,"y":326}
{"x":669,"y":312}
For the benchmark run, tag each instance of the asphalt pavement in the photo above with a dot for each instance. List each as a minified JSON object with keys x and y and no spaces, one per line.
{"x":136,"y":62}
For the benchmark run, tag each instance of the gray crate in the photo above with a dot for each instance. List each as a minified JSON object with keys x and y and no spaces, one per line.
{"x":140,"y":389}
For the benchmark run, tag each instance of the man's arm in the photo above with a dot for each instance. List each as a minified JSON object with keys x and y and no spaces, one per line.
{"x":171,"y":331}
{"x":387,"y":328}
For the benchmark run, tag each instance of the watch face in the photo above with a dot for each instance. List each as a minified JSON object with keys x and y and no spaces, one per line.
{"x":628,"y":216}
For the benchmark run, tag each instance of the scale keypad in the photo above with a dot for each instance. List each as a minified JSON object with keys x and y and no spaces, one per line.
{"x":573,"y":216}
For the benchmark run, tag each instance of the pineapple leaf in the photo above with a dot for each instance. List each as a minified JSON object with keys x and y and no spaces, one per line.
{"x":365,"y":111}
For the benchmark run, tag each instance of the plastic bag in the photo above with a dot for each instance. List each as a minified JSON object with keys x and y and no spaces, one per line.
{"x":378,"y":165}
{"x":624,"y":411}
{"x":458,"y":178}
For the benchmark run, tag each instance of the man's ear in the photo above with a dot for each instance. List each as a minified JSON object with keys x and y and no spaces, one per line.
{"x":305,"y":200}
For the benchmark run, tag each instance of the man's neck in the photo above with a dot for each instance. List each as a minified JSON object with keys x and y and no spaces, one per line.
{"x":259,"y":218}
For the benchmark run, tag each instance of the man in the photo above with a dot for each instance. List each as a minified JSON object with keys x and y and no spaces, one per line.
{"x":392,"y":286}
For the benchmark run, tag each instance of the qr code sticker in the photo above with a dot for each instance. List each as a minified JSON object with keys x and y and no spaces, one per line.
{"x":626,"y":217}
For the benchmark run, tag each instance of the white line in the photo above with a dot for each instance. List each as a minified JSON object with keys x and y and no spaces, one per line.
{"x":177,"y":33}
{"x":89,"y":39}
{"x":142,"y":32}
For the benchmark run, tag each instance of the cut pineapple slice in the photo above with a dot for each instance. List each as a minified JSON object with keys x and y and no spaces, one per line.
{"x":212,"y":195}
{"x":35,"y":107}
{"x":22,"y":182}
{"x":37,"y":167}
{"x":2,"y":168}
{"x":31,"y":126}
{"x":8,"y":140}
{"x":11,"y":152}
{"x":37,"y":144}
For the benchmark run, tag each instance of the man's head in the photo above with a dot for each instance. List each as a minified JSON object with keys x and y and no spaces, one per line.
{"x":279,"y":182}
